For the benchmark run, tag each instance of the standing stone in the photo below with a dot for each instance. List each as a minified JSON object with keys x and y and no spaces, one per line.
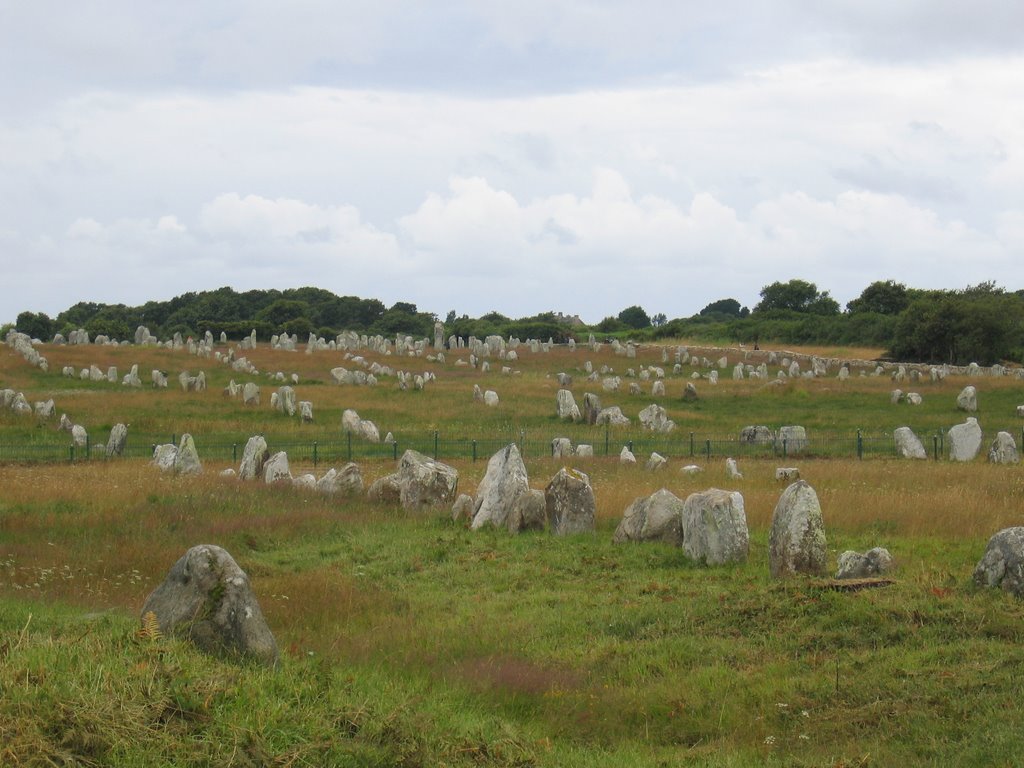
{"x":612,"y":416}
{"x":186,"y":461}
{"x":756,"y":435}
{"x":967,"y":400}
{"x":715,"y":527}
{"x":79,"y":437}
{"x":504,"y":481}
{"x":964,"y":440}
{"x":254,"y":456}
{"x":1003,"y":450}
{"x":490,"y":398}
{"x":462,"y":509}
{"x":854,"y":565}
{"x":796,"y":542}
{"x":425,"y":482}
{"x":529,"y":512}
{"x":207,"y":599}
{"x":591,"y":407}
{"x":569,"y":502}
{"x":794,"y":438}
{"x":658,"y":517}
{"x":306,"y":412}
{"x":567,"y":408}
{"x":1002,"y":565}
{"x":787,"y":473}
{"x":348,"y":481}
{"x":732,"y":471}
{"x":626,"y":456}
{"x":656,"y":462}
{"x":908,"y":445}
{"x":45,"y":409}
{"x":438,"y":335}
{"x":286,"y":400}
{"x":118,"y":438}
{"x":658,"y":389}
{"x":163,"y":457}
{"x":276,"y":470}
{"x":655,"y":418}
{"x":251,"y":394}
{"x":561,"y":447}
{"x":65,"y":424}
{"x":690,"y":393}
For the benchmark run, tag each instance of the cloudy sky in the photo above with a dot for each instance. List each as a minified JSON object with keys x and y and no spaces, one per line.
{"x":569,"y":155}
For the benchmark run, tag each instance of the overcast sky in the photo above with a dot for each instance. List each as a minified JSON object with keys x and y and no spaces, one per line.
{"x":571,"y":155}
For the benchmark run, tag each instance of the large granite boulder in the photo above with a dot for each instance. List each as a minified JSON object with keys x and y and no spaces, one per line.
{"x":504,"y":481}
{"x":793,"y":438}
{"x":569,"y":503}
{"x":421,"y":482}
{"x":347,"y":481}
{"x":908,"y":445}
{"x":655,"y":418}
{"x":118,"y":438}
{"x":854,"y":565}
{"x":254,"y":456}
{"x":658,"y":517}
{"x":207,"y":599}
{"x":186,"y":461}
{"x":1002,"y":565}
{"x":715,"y":527}
{"x":529,"y":512}
{"x":1003,"y":450}
{"x":163,"y":457}
{"x":796,"y":541}
{"x":967,"y":400}
{"x":567,"y":408}
{"x":276,"y":469}
{"x":756,"y":435}
{"x":964,"y":440}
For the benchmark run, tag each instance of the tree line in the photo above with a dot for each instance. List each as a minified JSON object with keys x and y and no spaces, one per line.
{"x":982,"y":323}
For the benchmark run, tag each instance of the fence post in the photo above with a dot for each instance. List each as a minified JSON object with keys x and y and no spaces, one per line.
{"x":522,"y":443}
{"x":174,"y":439}
{"x":71,"y":453}
{"x":935,"y":446}
{"x":474,"y":451}
{"x":314,"y":453}
{"x":606,"y":440}
{"x":630,"y":445}
{"x":707,"y":448}
{"x":784,"y":441}
{"x":435,"y":445}
{"x":691,"y":443}
{"x":860,"y":446}
{"x":348,"y":435}
{"x":394,"y":450}
{"x":234,"y":452}
{"x":88,"y":447}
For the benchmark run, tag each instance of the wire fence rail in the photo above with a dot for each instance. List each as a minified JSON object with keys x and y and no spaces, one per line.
{"x":603,"y":442}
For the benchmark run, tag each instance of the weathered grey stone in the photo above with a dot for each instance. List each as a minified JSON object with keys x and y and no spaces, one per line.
{"x":655,"y":418}
{"x":229,"y":472}
{"x":385,"y":490}
{"x":425,"y":482}
{"x":305,"y":482}
{"x":251,"y":393}
{"x":584,"y":450}
{"x":276,"y":470}
{"x":913,"y":398}
{"x":118,"y":438}
{"x":285,"y":400}
{"x":592,"y":407}
{"x":732,"y":471}
{"x":967,"y":400}
{"x":1003,"y":450}
{"x":65,"y":424}
{"x":529,"y":512}
{"x":612,"y":416}
{"x":756,"y":435}
{"x":691,"y":469}
{"x":690,"y":392}
{"x":306,"y":412}
{"x":658,"y":517}
{"x":796,"y":541}
{"x":348,"y":481}
{"x":163,"y":457}
{"x":45,"y":409}
{"x":490,"y":398}
{"x":561,"y":447}
{"x":793,"y":438}
{"x":787,"y":473}
{"x":79,"y":437}
{"x":207,"y":599}
{"x":462,"y":509}
{"x":186,"y":460}
{"x":569,"y":503}
{"x":254,"y":456}
{"x":1002,"y":565}
{"x":715,"y":527}
{"x":854,"y":565}
{"x":567,"y":408}
{"x":964,"y":440}
{"x":908,"y":445}
{"x":626,"y":456}
{"x":504,"y":481}
{"x":656,"y":462}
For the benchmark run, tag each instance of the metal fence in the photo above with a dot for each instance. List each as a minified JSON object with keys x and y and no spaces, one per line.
{"x":603,"y":442}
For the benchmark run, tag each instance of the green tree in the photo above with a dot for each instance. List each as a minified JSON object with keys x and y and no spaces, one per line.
{"x":797,"y":296}
{"x":38,"y":325}
{"x":634,"y":317}
{"x":729,"y":307}
{"x":283,"y":311}
{"x":886,"y":297}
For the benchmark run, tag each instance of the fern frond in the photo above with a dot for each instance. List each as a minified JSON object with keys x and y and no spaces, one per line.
{"x":150,"y":629}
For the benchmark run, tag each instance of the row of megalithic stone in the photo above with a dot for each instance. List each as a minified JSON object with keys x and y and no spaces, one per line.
{"x":709,"y":526}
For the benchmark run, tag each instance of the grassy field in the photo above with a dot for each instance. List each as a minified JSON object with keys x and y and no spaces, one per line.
{"x":409,"y":640}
